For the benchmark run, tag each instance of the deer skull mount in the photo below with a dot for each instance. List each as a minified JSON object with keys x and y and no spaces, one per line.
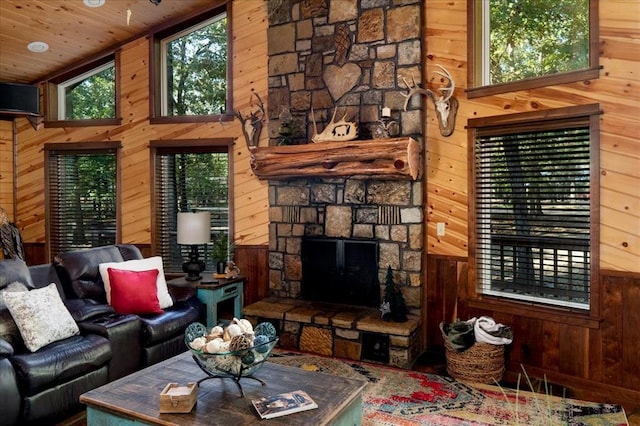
{"x":446,"y":105}
{"x":252,"y":123}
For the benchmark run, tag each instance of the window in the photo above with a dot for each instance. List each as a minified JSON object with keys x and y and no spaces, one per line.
{"x":89,"y":96}
{"x":534,"y":206}
{"x":192,"y":68}
{"x":85,"y":96}
{"x":187,"y":179}
{"x":82,"y":195}
{"x":520,"y":44}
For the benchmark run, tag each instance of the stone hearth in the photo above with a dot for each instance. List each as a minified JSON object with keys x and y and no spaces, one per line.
{"x":341,"y":331}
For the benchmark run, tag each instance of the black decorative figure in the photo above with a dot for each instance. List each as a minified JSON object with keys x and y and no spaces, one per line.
{"x":396,"y":309}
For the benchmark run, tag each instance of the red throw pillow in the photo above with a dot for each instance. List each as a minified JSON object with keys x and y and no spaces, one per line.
{"x":134,"y":292}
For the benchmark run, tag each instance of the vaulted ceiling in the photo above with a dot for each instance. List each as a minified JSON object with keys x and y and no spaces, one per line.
{"x":74,"y":30}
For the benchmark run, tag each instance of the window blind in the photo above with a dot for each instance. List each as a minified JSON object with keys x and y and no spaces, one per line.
{"x":82,"y":199}
{"x":188,"y":180}
{"x":532,"y":196}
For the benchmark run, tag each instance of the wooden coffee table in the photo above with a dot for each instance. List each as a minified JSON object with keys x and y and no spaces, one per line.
{"x":134,"y":399}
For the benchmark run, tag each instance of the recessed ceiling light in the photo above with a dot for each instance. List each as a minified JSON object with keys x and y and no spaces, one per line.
{"x":94,"y":3}
{"x":38,"y":46}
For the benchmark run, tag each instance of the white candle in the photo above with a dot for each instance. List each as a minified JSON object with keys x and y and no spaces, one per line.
{"x":386,"y":112}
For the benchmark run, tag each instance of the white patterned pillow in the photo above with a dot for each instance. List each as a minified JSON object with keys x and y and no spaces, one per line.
{"x":11,"y":288}
{"x":41,"y":316}
{"x":164,"y":298}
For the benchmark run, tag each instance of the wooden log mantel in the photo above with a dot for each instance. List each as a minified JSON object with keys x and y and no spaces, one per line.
{"x":397,"y":158}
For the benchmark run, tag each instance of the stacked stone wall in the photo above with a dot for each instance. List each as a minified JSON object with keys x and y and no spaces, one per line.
{"x":354,"y":56}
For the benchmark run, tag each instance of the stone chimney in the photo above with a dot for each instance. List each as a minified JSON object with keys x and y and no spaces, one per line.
{"x":350,"y":55}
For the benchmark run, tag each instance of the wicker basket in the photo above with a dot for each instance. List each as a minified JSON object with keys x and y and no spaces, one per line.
{"x":481,"y":363}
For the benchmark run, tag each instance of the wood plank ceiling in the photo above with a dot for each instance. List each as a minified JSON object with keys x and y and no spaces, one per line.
{"x":75,"y":31}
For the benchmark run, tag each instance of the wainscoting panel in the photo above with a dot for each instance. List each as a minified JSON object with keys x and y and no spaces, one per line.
{"x":253,"y":261}
{"x":597,"y":356}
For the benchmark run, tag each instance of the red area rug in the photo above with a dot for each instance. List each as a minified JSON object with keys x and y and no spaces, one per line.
{"x":395,"y":397}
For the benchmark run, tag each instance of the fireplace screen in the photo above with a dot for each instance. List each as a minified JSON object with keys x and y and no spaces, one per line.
{"x":340,"y":271}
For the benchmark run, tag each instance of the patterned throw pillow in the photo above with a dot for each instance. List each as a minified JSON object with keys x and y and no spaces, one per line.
{"x":41,"y":316}
{"x":8,"y":328}
{"x":11,"y":288}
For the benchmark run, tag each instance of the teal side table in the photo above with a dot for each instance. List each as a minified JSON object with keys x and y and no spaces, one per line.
{"x":213,"y":291}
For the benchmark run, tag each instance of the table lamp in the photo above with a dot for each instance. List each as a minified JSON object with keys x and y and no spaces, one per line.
{"x":194,"y":228}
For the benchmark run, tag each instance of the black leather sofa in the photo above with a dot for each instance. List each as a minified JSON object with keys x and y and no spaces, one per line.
{"x":44,"y":386}
{"x":162,"y":335}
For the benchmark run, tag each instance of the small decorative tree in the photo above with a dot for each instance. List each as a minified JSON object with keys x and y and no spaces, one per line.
{"x":394,"y":307}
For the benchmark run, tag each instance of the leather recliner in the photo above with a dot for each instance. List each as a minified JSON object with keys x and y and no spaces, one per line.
{"x":162,"y":335}
{"x":45,"y":385}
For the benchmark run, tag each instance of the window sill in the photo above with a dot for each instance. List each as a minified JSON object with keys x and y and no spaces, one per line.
{"x":531,"y":310}
{"x":83,"y":123}
{"x":191,"y":119}
{"x":534,"y":82}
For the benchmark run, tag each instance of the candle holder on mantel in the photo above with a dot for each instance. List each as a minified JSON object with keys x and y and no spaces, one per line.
{"x":385,"y":126}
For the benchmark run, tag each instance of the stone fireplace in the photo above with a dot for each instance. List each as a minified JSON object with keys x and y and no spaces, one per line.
{"x":351,"y":55}
{"x":389,"y":212}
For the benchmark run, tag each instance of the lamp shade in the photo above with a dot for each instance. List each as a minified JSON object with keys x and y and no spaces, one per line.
{"x":194,"y":228}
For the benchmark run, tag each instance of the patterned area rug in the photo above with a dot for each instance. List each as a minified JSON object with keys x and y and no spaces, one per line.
{"x":395,"y":397}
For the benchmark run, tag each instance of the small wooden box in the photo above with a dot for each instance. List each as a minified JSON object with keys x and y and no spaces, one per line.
{"x":178,"y":399}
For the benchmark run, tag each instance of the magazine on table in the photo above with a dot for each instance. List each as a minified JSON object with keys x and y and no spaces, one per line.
{"x":283,"y":404}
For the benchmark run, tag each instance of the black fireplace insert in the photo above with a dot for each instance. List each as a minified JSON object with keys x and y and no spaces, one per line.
{"x":339,"y":270}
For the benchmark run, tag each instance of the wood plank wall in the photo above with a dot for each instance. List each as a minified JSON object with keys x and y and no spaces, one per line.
{"x":6,"y":168}
{"x":601,"y":355}
{"x":250,"y":195}
{"x":617,"y":91}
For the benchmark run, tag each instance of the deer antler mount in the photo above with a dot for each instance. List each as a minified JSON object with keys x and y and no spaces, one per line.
{"x":252,"y":123}
{"x":446,"y":105}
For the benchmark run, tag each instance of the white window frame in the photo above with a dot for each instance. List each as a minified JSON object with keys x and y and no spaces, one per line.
{"x":62,"y":106}
{"x":480,"y":250}
{"x":164,"y":78}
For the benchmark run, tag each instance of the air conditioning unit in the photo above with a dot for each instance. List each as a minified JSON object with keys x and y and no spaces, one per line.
{"x":19,"y":99}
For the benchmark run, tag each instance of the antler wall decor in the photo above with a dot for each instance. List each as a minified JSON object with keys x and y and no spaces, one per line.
{"x":336,"y":130}
{"x":252,"y":124}
{"x":446,"y":105}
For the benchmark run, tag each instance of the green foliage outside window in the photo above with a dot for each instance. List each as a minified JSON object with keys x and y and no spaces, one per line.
{"x":82,"y":199}
{"x":202,"y":180}
{"x":531,"y":38}
{"x":196,"y":70}
{"x":92,"y":97}
{"x":190,"y":181}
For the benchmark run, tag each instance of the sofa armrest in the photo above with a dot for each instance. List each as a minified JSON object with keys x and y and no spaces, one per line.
{"x":86,"y":309}
{"x":10,"y":393}
{"x":181,"y":293}
{"x":6,"y":348}
{"x":123,"y":332}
